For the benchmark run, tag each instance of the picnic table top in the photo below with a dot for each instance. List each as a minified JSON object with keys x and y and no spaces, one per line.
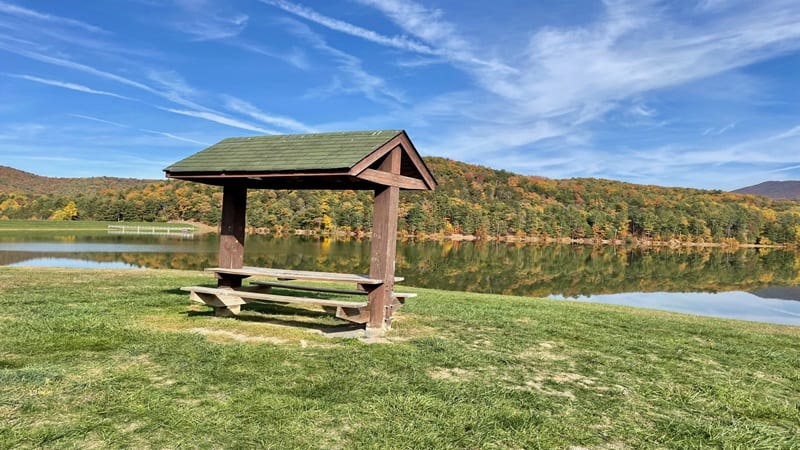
{"x":299,"y":275}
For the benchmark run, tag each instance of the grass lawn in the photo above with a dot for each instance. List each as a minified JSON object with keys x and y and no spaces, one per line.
{"x":99,"y":359}
{"x":75,"y":225}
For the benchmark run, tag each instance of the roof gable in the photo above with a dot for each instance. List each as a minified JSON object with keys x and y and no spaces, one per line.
{"x":279,"y":153}
{"x":341,"y":160}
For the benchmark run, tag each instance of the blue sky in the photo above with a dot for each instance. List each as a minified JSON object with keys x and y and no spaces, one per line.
{"x":693,"y":93}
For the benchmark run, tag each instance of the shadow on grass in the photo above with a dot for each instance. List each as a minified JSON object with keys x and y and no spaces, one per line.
{"x":276,"y":314}
{"x":174,"y":291}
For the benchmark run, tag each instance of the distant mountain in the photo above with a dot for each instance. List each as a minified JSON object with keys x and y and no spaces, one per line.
{"x":21,"y":182}
{"x":773,"y":189}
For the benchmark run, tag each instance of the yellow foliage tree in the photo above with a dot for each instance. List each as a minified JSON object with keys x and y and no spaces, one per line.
{"x":68,"y":212}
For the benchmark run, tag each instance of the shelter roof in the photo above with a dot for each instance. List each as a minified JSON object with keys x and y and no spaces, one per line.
{"x":341,"y":160}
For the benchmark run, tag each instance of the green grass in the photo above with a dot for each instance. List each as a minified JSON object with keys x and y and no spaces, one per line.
{"x":99,"y":359}
{"x":74,"y":225}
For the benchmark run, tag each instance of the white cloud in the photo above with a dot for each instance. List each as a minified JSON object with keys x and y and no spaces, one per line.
{"x":248,"y":109}
{"x":359,"y":80}
{"x":79,"y":67}
{"x":144,"y":130}
{"x":568,"y":78}
{"x":399,"y":42}
{"x":67,"y":85}
{"x":21,"y":12}
{"x":643,"y":110}
{"x":174,"y":136}
{"x":295,"y":56}
{"x":208,"y":28}
{"x":786,"y":169}
{"x":218,"y":118}
{"x":206,"y":20}
{"x":441,"y":35}
{"x":97,"y":119}
{"x":174,"y":89}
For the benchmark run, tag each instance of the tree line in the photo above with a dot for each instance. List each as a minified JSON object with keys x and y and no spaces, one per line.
{"x":470,"y":200}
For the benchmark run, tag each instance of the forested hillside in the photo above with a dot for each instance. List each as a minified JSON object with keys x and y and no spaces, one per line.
{"x":20,"y":182}
{"x":469,"y":200}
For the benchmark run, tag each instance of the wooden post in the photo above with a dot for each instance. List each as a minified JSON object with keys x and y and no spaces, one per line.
{"x":383,"y":248}
{"x":231,"y":236}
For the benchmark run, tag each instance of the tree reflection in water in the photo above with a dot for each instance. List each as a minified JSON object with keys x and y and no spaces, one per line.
{"x":528,"y":270}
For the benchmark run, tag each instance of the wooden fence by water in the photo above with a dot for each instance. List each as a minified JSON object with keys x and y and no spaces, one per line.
{"x":151,"y":230}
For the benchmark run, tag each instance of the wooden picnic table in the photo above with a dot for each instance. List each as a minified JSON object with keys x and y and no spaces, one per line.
{"x":229,"y":295}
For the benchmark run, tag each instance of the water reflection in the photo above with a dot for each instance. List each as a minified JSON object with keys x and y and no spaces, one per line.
{"x":783,"y":293}
{"x":89,"y":247}
{"x":731,"y":305}
{"x":73,"y":263}
{"x":479,"y":267}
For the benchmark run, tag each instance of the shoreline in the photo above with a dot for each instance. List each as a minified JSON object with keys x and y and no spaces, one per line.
{"x":524,"y":240}
{"x":202,"y":229}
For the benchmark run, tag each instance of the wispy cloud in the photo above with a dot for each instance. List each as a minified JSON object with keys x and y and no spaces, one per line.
{"x":429,"y":26}
{"x":359,"y":80}
{"x":718,"y":131}
{"x":793,"y":132}
{"x":437,"y":38}
{"x":67,"y":85}
{"x":786,"y":169}
{"x":173,"y":88}
{"x":295,"y":56}
{"x":144,"y":130}
{"x":218,"y":118}
{"x":22,"y":12}
{"x":79,"y":67}
{"x":248,"y":109}
{"x":214,"y":27}
{"x":569,"y":78}
{"x":206,"y":21}
{"x":174,"y":136}
{"x":97,"y":119}
{"x":399,"y":42}
{"x":15,"y":131}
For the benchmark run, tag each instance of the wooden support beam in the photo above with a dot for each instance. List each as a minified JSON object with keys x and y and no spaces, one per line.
{"x":231,"y":236}
{"x":383,"y":247}
{"x":391,"y":179}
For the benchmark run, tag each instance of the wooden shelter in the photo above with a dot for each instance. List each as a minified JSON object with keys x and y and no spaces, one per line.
{"x":382,"y":161}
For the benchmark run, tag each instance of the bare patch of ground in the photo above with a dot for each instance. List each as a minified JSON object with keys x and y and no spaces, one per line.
{"x":227,"y":336}
{"x":607,"y":446}
{"x":450,"y":374}
{"x":545,"y":350}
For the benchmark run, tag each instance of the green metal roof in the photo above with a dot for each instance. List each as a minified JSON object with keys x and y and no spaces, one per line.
{"x":281,"y":153}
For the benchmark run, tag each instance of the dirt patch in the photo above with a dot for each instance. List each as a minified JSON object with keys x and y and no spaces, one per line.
{"x":544,"y":351}
{"x":543,"y":383}
{"x":608,"y":446}
{"x":567,"y":377}
{"x":538,"y":386}
{"x":450,"y":374}
{"x":227,"y":336}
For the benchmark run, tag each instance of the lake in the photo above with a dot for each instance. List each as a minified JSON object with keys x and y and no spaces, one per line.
{"x":749,"y":284}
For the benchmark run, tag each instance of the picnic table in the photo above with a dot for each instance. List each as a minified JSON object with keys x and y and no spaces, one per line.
{"x":228,"y":297}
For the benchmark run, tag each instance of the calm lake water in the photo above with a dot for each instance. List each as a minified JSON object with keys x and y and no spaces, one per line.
{"x":747,"y":284}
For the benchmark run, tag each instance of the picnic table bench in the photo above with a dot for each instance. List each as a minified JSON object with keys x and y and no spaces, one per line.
{"x":227,"y":298}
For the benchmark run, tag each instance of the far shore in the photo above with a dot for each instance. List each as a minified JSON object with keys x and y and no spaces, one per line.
{"x":201,"y":228}
{"x":514,"y":239}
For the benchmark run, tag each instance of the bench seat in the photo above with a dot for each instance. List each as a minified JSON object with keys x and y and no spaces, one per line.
{"x":245,"y":294}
